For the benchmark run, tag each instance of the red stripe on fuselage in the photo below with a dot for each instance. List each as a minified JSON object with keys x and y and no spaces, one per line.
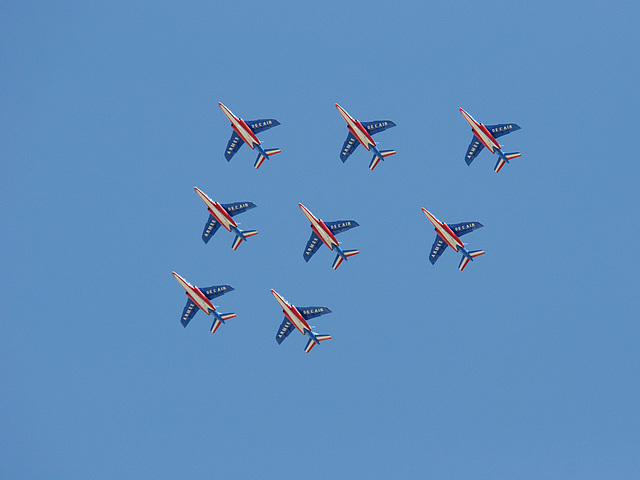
{"x":357,"y":137}
{"x":488,"y":134}
{"x":220,"y":210}
{"x":293,"y":312}
{"x":249,"y":131}
{"x":364,"y":130}
{"x":203,"y":298}
{"x":326,"y":230}
{"x":447,"y":229}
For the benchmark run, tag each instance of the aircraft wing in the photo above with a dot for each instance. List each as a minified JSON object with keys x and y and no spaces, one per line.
{"x":261,"y":125}
{"x":377,"y":126}
{"x":436,"y":250}
{"x":235,"y":142}
{"x":189,"y":311}
{"x":341,"y":225}
{"x":311,"y":312}
{"x":286,"y":327}
{"x":238,"y":207}
{"x":350,"y":144}
{"x":210,"y":228}
{"x":312,"y":246}
{"x":216,"y":291}
{"x":464,"y":228}
{"x":474,"y":149}
{"x":502,"y":129}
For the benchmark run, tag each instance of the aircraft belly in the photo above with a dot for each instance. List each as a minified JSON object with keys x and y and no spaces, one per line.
{"x":198,"y":301}
{"x":295,"y":321}
{"x":221,"y":219}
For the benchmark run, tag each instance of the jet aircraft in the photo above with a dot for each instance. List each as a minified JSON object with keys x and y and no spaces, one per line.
{"x":485,"y":136}
{"x":200,"y":298}
{"x":360,"y":133}
{"x":245,"y":132}
{"x":450,"y":235}
{"x":220,"y":214}
{"x":325,"y":232}
{"x":296,"y":318}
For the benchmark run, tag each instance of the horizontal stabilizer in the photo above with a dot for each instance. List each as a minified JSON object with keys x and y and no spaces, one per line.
{"x":501,"y":161}
{"x":215,"y":325}
{"x":218,"y":321}
{"x":261,"y":158}
{"x":465,"y":260}
{"x":312,"y":343}
{"x":238,"y":240}
{"x":376,"y":159}
{"x":339,"y":258}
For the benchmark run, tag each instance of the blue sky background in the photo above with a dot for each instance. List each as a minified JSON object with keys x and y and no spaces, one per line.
{"x":523,"y":366}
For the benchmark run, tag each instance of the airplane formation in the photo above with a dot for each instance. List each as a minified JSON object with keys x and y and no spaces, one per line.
{"x":359,"y":133}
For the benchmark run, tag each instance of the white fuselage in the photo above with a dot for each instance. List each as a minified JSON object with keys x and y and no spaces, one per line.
{"x":292,"y":313}
{"x":481,"y":132}
{"x":240,"y":127}
{"x":356,"y":128}
{"x":217,"y":210}
{"x":320,"y":229}
{"x":195,"y":294}
{"x":443,"y":230}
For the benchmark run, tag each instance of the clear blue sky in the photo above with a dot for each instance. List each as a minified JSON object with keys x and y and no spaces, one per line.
{"x":523,"y":366}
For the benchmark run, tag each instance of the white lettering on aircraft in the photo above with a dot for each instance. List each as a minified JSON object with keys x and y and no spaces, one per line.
{"x":313,"y":310}
{"x":465,"y":227}
{"x":261,"y":124}
{"x":473,"y":148}
{"x":377,"y":125}
{"x":216,"y":290}
{"x":312,"y":245}
{"x":502,"y":128}
{"x":436,"y":248}
{"x":347,"y":147}
{"x":340,"y":225}
{"x":234,"y":143}
{"x":237,"y":207}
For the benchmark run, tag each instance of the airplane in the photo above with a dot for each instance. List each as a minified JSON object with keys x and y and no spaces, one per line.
{"x":325,"y":232}
{"x":201,"y":298}
{"x":245,"y":132}
{"x":449,"y":235}
{"x":360,"y":133}
{"x":486,"y":136}
{"x":296,"y":318}
{"x":220,"y":214}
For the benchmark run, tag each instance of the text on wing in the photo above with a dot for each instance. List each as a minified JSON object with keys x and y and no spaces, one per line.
{"x":261,"y":124}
